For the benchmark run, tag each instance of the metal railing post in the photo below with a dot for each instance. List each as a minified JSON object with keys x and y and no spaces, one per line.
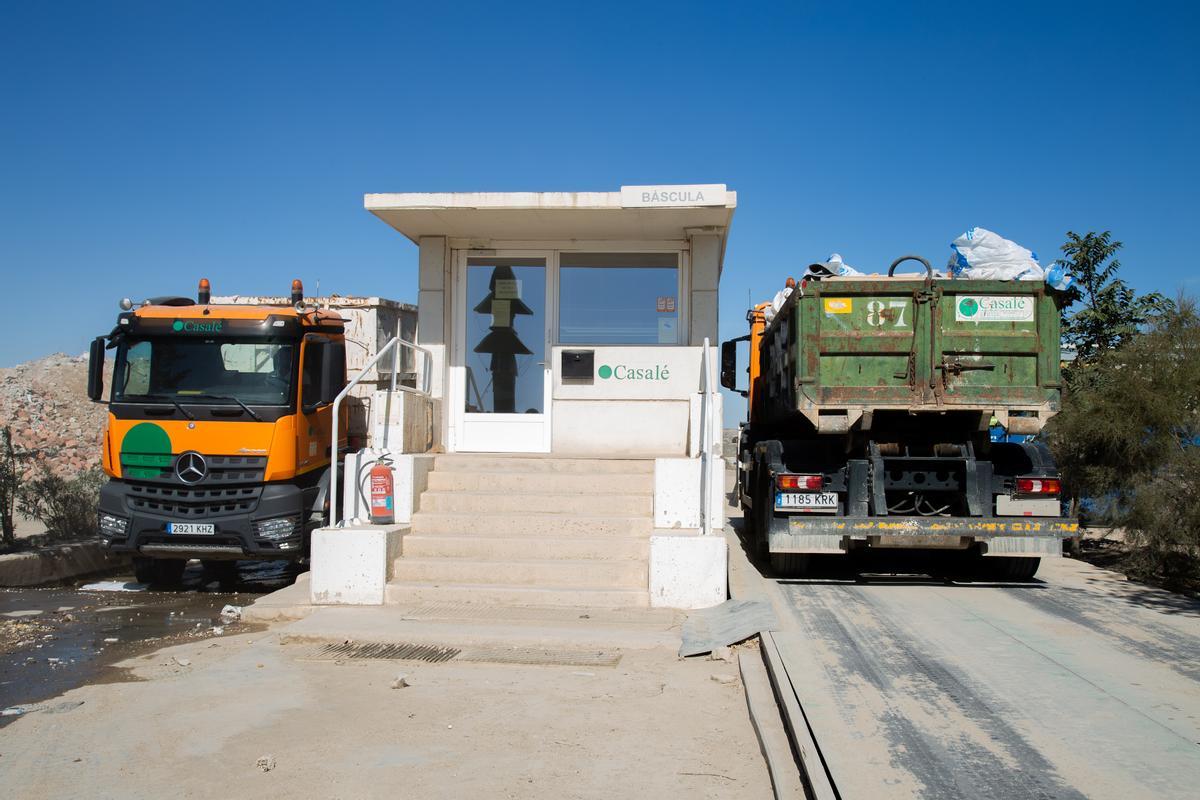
{"x":393,"y":345}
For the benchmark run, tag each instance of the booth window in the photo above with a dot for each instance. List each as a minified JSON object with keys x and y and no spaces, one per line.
{"x":618,"y":298}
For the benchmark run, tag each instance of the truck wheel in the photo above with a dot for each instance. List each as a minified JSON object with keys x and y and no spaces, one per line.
{"x":1012,"y":568}
{"x":159,"y":571}
{"x":790,"y":565}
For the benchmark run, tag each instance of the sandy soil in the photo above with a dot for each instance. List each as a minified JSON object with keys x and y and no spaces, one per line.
{"x":199,"y":716}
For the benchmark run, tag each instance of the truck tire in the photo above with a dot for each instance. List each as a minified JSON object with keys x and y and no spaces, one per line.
{"x":1012,"y":568}
{"x":790,"y":565}
{"x":159,"y":571}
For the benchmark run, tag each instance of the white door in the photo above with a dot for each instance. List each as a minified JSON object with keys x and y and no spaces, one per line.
{"x":502,"y":365}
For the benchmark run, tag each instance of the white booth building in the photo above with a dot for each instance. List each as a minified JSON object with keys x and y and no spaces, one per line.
{"x":564,"y":445}
{"x":567,"y":322}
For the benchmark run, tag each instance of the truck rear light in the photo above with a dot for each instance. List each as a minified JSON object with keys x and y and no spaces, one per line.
{"x":1045,"y":486}
{"x":791,"y":483}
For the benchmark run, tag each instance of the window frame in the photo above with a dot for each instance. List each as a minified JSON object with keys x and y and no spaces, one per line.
{"x":682,"y":304}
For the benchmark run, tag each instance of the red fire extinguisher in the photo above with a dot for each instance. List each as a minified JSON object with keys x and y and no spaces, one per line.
{"x":382,"y":490}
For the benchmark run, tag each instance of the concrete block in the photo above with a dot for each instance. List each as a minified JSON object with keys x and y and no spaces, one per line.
{"x":351,"y":566}
{"x":677,"y":493}
{"x":408,"y":426}
{"x":688,"y":570}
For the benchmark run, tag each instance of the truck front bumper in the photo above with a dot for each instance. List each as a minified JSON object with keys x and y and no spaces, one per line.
{"x":995,"y":536}
{"x":237,"y":535}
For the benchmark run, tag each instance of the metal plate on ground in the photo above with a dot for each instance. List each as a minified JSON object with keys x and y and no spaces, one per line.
{"x":439,"y":654}
{"x":733,"y":621}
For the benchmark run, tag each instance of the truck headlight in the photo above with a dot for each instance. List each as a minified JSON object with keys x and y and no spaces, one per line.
{"x":113,"y":527}
{"x":276,"y":529}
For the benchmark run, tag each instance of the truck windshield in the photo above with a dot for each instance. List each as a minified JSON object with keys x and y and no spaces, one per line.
{"x":209,"y":371}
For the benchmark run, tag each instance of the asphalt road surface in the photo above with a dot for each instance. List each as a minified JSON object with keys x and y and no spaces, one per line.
{"x":1076,"y":684}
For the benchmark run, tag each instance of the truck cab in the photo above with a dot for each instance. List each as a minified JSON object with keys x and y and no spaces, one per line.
{"x":217,"y":443}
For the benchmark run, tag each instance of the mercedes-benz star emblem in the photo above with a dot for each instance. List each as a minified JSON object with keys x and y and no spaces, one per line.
{"x":191,"y":467}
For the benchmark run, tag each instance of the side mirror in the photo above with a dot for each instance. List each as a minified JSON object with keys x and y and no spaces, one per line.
{"x":95,"y":382}
{"x":729,"y":364}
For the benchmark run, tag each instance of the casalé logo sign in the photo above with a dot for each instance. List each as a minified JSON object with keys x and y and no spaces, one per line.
{"x":994,"y":308}
{"x":196,"y":326}
{"x":621,"y":372}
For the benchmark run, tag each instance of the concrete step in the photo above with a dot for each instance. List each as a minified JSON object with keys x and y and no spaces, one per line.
{"x":544,"y":482}
{"x":507,"y":548}
{"x":566,"y":504}
{"x":521,"y":523}
{"x":465,"y":462}
{"x":580,"y":573}
{"x":493,"y":595}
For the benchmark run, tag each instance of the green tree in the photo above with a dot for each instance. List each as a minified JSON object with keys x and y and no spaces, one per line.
{"x":1129,"y":437}
{"x":1111,"y":312}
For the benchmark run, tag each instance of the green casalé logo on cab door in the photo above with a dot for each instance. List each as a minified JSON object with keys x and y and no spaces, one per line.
{"x":196,"y":326}
{"x":622,"y":372}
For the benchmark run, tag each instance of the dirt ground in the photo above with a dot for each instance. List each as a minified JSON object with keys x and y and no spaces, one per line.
{"x":194,"y":721}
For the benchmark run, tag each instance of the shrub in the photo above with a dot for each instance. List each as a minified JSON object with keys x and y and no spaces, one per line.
{"x":66,"y":506}
{"x":1129,"y":434}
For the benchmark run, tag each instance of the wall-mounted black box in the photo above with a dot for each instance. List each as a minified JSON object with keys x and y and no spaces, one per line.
{"x":578,"y":366}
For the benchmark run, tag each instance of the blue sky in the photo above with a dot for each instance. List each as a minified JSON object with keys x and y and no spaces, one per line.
{"x":143,"y":145}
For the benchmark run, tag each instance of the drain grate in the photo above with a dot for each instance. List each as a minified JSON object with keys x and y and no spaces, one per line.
{"x":431,"y":653}
{"x":439,"y":654}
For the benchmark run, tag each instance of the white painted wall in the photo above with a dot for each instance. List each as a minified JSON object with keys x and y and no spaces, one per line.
{"x":620,"y":427}
{"x":676,"y":370}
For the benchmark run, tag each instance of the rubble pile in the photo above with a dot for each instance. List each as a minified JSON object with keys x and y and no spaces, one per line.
{"x":53,"y":422}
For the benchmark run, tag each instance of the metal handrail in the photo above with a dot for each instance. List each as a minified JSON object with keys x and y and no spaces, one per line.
{"x":393,"y":345}
{"x":706,"y":454}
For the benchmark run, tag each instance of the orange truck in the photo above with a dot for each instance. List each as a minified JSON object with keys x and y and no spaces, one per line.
{"x":217,"y":444}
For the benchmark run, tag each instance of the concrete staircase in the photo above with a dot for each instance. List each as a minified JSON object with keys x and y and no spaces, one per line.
{"x":529,"y":530}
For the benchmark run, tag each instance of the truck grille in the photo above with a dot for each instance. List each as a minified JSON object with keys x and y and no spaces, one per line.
{"x":189,"y":503}
{"x":221,"y":469}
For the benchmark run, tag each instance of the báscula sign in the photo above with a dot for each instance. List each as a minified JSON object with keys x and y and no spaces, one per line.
{"x":993,"y":308}
{"x":700,"y":194}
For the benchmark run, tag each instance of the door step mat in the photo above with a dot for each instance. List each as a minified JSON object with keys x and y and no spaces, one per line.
{"x":438,"y":654}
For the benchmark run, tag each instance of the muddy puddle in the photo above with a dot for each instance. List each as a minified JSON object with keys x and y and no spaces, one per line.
{"x":56,"y":638}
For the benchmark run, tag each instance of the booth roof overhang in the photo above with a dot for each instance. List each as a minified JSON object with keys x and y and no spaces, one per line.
{"x":546,"y":216}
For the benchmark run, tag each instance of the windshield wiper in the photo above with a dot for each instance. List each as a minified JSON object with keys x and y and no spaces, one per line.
{"x":245,"y":407}
{"x":162,"y":398}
